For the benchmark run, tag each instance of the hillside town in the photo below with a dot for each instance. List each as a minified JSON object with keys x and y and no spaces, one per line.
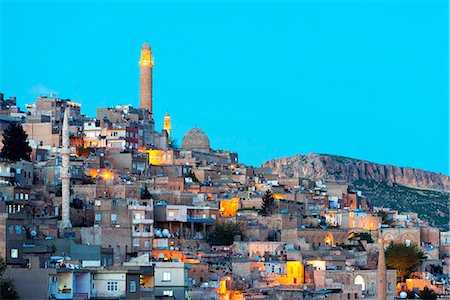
{"x":110,"y":207}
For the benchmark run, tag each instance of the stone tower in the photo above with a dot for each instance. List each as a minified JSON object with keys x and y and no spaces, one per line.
{"x":65,"y":173}
{"x":146,"y":67}
{"x":381,"y":274}
{"x":167,"y":126}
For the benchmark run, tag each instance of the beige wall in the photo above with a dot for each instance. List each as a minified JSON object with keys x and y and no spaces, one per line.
{"x":402,"y":235}
{"x":41,"y":132}
{"x":177,"y":273}
{"x":346,"y":280}
{"x":100,"y":281}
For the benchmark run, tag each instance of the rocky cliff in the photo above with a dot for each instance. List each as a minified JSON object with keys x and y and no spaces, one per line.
{"x":332,"y":167}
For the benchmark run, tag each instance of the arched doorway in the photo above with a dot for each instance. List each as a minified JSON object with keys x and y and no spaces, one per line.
{"x":329,"y":239}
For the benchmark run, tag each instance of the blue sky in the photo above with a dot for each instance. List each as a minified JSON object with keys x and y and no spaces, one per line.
{"x":364,"y":79}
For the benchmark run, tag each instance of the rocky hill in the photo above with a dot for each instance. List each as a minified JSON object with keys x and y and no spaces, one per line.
{"x":402,"y":189}
{"x":332,"y":167}
{"x":432,"y":206}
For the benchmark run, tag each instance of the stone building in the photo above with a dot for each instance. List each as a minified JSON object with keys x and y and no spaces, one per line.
{"x":196,"y":147}
{"x":355,"y":283}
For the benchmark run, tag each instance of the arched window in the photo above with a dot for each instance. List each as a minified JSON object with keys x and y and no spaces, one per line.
{"x":360,"y":280}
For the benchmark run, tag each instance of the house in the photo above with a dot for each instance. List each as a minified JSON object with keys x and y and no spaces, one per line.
{"x":70,"y":282}
{"x":32,"y":282}
{"x":135,"y":282}
{"x":172,"y":279}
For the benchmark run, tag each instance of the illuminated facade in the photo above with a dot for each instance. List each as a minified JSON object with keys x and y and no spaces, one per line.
{"x":146,"y":67}
{"x":364,"y":220}
{"x":160,"y":157}
{"x":228,"y":208}
{"x":295,"y":272}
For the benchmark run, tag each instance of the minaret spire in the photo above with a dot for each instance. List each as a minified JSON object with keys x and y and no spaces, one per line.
{"x":167,"y":126}
{"x":146,"y":67}
{"x":381,"y":274}
{"x":65,"y":173}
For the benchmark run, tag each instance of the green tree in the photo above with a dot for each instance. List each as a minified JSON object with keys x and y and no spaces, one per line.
{"x":15,"y":144}
{"x":268,"y":204}
{"x":384,"y":217}
{"x":403,"y":258}
{"x":145,"y":194}
{"x":427,"y":294}
{"x":192,"y":176}
{"x":223,"y":234}
{"x":173,"y":144}
{"x":7,"y":289}
{"x":363,"y":236}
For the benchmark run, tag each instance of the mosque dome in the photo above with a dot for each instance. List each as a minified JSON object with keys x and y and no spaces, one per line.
{"x":195,"y":139}
{"x":146,"y":46}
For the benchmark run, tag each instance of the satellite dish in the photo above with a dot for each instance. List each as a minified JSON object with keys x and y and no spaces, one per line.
{"x":403,"y":295}
{"x":166,"y":233}
{"x":33,"y":233}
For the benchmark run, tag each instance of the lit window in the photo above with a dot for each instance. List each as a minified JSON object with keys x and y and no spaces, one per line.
{"x":171,"y":213}
{"x":14,"y":253}
{"x":26,"y":196}
{"x":166,"y":276}
{"x":168,"y":293}
{"x":132,"y":286}
{"x":98,"y":203}
{"x":10,"y":229}
{"x":18,"y":229}
{"x":113,"y":218}
{"x":17,"y":196}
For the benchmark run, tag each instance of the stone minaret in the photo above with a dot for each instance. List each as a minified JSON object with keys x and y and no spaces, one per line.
{"x":65,"y":173}
{"x":382,"y":273}
{"x":146,"y":66}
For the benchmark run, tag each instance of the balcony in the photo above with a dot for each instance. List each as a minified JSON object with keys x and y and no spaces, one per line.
{"x":200,"y":219}
{"x":140,"y":207}
{"x":142,"y":221}
{"x":92,"y":138}
{"x":142,"y":234}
